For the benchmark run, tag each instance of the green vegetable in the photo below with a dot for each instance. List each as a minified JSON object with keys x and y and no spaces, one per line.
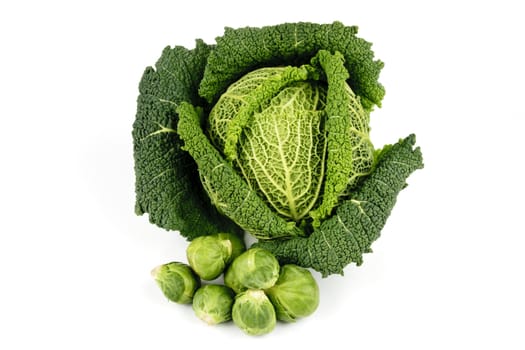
{"x":268,"y":132}
{"x":260,"y":158}
{"x":209,"y":255}
{"x":295,"y":294}
{"x":253,"y":312}
{"x":177,"y":281}
{"x":213,"y":303}
{"x":287,"y":130}
{"x":256,"y":268}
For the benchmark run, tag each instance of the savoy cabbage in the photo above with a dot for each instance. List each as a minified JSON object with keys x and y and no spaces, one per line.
{"x":267,"y":132}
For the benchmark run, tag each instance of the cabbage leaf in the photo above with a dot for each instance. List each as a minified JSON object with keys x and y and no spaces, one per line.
{"x":167,"y":182}
{"x":350,"y":152}
{"x":243,"y":50}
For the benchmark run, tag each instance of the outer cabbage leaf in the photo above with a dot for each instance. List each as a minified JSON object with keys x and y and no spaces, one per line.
{"x":167,"y":184}
{"x":350,"y":152}
{"x":358,"y":221}
{"x":240,"y":51}
{"x":227,"y":189}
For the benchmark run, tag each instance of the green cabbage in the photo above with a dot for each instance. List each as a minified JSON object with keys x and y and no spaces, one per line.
{"x":268,"y":132}
{"x":284,"y":126}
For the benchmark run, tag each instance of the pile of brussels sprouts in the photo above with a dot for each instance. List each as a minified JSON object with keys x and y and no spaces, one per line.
{"x":256,"y":291}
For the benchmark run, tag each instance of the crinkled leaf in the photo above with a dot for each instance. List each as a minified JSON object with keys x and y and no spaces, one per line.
{"x":167,"y":184}
{"x":240,"y":51}
{"x":350,"y":153}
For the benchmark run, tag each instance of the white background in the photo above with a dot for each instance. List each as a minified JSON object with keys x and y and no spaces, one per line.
{"x":75,"y":260}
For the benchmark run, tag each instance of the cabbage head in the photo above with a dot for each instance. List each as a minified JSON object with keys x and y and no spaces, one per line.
{"x":268,"y":132}
{"x":299,"y":136}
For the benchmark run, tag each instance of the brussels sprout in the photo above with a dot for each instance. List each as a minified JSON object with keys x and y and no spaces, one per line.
{"x":256,"y":268}
{"x":209,"y":255}
{"x":253,"y":312}
{"x":233,"y":243}
{"x":295,"y":294}
{"x":213,"y":303}
{"x":177,"y":281}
